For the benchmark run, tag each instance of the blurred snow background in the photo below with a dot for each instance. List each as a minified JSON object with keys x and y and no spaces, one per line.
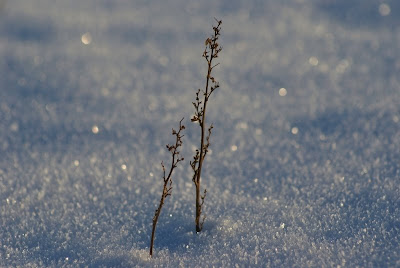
{"x":305,"y":163}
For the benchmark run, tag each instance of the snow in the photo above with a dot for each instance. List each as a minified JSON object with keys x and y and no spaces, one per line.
{"x":305,"y":163}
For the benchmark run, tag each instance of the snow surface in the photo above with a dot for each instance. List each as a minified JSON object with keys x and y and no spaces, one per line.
{"x":305,"y":163}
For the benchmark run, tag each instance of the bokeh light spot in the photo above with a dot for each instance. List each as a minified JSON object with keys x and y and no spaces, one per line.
{"x":86,"y":38}
{"x":313,"y":61}
{"x":95,"y":129}
{"x":342,"y":66}
{"x":282,"y":92}
{"x":384,"y":9}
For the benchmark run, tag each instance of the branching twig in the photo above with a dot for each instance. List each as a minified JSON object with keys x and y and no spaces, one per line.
{"x":211,"y":52}
{"x":167,"y":189}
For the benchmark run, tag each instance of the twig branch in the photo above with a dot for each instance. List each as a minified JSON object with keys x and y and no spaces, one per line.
{"x":167,"y":188}
{"x":211,"y":51}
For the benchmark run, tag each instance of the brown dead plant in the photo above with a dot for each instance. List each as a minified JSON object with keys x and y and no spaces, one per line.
{"x":167,"y":188}
{"x":211,"y":52}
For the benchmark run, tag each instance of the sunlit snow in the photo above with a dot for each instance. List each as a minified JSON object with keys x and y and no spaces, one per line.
{"x":305,"y":162}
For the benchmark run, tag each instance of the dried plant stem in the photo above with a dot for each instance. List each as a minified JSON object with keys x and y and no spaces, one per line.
{"x":211,"y":51}
{"x":167,"y":188}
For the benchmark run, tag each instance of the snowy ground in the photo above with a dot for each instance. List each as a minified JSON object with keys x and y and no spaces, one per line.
{"x":305,"y":163}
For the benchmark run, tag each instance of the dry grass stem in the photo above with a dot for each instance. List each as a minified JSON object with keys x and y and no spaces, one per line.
{"x":211,"y":52}
{"x":167,"y":177}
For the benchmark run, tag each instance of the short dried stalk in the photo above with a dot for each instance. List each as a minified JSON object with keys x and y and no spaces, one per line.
{"x":211,"y":51}
{"x":167,"y":189}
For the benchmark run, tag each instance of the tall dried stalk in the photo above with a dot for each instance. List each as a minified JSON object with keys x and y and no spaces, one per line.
{"x":211,"y":51}
{"x":167,"y":189}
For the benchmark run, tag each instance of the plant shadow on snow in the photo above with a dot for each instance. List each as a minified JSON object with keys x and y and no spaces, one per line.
{"x":177,"y":235}
{"x":174,"y":234}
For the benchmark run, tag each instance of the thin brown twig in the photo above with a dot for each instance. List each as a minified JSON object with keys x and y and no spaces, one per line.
{"x":167,"y":188}
{"x":211,"y":52}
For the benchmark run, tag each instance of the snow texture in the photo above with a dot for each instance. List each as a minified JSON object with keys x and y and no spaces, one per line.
{"x":305,"y":162}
